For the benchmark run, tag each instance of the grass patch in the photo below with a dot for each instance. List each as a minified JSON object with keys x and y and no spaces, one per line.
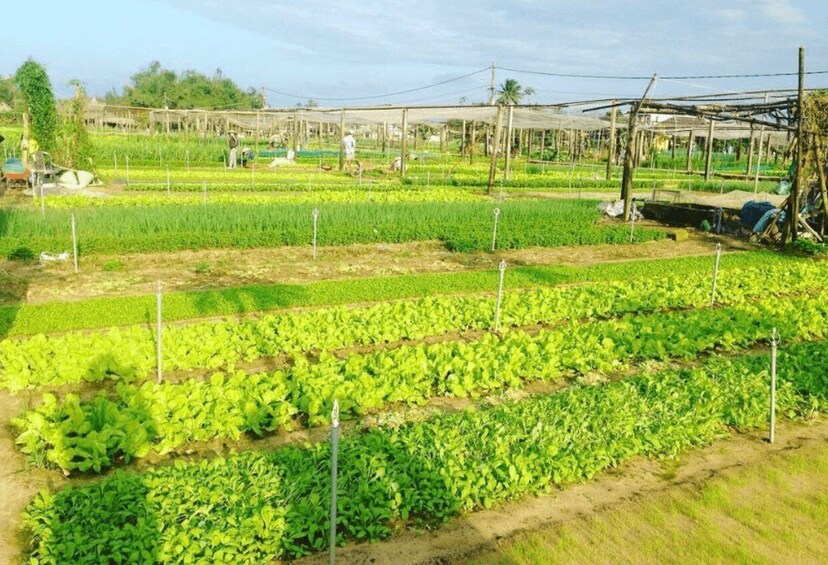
{"x":776,"y":510}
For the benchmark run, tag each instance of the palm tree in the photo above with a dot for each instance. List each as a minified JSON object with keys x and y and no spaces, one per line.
{"x":511,"y":92}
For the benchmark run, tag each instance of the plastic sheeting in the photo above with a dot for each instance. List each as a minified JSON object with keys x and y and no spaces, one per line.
{"x":523,"y":117}
{"x":75,"y":179}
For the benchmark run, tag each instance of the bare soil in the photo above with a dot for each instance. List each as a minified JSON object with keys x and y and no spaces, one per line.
{"x":480,"y":531}
{"x":124,"y":275}
{"x":18,"y":484}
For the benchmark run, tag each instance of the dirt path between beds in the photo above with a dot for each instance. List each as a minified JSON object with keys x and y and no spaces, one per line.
{"x":126,"y":275}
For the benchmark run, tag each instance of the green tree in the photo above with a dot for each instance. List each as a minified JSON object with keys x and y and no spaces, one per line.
{"x":33,"y":84}
{"x":157,"y":87}
{"x":74,"y":148}
{"x":7,"y":91}
{"x":511,"y":92}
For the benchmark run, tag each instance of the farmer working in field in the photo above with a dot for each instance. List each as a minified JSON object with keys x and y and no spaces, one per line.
{"x":349,"y":146}
{"x":233,"y":143}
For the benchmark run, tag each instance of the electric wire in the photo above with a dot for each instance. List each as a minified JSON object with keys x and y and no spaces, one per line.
{"x":666,"y":77}
{"x":378,"y":96}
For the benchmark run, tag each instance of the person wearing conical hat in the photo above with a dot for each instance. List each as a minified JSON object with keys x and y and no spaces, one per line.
{"x":233,"y":143}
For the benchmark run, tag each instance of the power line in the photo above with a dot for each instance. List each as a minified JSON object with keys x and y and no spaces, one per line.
{"x":633,"y":77}
{"x":756,"y":75}
{"x":450,"y":94}
{"x":374,"y":97}
{"x":566,"y":75}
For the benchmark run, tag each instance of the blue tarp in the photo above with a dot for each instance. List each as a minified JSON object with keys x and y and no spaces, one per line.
{"x":753,"y":211}
{"x":13,"y":165}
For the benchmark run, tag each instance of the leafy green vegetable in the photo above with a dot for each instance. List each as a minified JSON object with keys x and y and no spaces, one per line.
{"x":256,"y":507}
{"x":162,"y":417}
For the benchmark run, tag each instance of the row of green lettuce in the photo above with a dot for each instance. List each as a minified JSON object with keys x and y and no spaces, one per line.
{"x":91,"y":435}
{"x":31,"y":319}
{"x":258,"y":506}
{"x":460,"y":226}
{"x":208,"y":195}
{"x":130,"y":353}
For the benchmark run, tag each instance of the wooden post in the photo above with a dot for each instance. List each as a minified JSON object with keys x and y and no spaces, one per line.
{"x":256,"y":151}
{"x":507,"y":170}
{"x":543,"y":145}
{"x":758,"y":160}
{"x":690,"y":151}
{"x":319,"y":136}
{"x":643,"y":147}
{"x":443,"y":139}
{"x":774,"y":346}
{"x":334,"y":476}
{"x":341,"y":137}
{"x":158,"y":330}
{"x":708,"y":159}
{"x":629,"y":170}
{"x":404,"y":141}
{"x":818,"y":153}
{"x":297,"y":131}
{"x":315,"y":215}
{"x":473,"y":141}
{"x":611,"y":144}
{"x":493,"y":152}
{"x":749,"y":167}
{"x":463,"y":147}
{"x":74,"y":244}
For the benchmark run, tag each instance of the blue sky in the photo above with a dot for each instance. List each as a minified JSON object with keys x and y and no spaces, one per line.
{"x":349,"y":49}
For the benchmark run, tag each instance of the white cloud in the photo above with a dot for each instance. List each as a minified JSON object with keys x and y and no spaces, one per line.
{"x":782,"y":11}
{"x":731,"y":14}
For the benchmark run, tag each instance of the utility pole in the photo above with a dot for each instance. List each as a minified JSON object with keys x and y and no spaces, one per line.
{"x":492,"y":86}
{"x":793,"y":199}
